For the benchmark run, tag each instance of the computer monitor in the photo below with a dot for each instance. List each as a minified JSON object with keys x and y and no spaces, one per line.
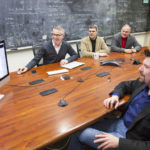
{"x":4,"y":71}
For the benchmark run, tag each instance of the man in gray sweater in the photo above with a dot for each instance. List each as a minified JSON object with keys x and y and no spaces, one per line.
{"x":124,"y":42}
{"x":53,"y":51}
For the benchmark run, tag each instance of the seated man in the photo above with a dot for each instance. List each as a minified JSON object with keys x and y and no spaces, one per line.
{"x":53,"y":51}
{"x":124,"y":42}
{"x":132,"y":130}
{"x":93,"y":43}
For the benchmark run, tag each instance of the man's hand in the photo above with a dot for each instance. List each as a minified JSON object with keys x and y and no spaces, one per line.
{"x":133,"y":50}
{"x":106,"y":141}
{"x":128,"y":50}
{"x":63,"y":62}
{"x":22,"y":70}
{"x":112,"y":102}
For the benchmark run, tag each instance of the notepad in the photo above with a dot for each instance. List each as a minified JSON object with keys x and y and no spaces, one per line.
{"x":73,"y":64}
{"x":57,"y":71}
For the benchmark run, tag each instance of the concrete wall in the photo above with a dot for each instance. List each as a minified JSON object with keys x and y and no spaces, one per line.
{"x":19,"y":58}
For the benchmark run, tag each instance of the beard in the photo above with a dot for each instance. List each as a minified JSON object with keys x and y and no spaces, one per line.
{"x":141,"y":80}
{"x":142,"y":77}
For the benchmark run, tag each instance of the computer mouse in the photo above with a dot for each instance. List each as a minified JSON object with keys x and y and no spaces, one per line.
{"x":110,"y":63}
{"x":19,"y":72}
{"x":62,"y":103}
{"x":80,"y":79}
{"x":66,"y":77}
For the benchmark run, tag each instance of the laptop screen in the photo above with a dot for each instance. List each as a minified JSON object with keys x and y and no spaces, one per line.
{"x":4,"y":71}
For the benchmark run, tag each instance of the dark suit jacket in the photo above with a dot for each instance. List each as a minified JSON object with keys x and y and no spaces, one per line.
{"x":49,"y":55}
{"x":138,"y":134}
{"x":117,"y":43}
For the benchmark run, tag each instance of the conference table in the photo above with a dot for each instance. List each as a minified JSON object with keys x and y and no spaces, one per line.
{"x":31,"y":121}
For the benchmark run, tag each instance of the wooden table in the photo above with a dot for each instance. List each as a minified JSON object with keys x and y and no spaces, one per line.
{"x":30,"y":121}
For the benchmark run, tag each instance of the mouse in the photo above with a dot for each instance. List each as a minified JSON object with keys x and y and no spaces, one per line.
{"x":110,"y":63}
{"x":80,"y":79}
{"x":62,"y":103}
{"x":66,"y":77}
{"x":19,"y":72}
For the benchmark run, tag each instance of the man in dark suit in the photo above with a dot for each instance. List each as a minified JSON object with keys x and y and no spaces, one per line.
{"x":132,"y":130}
{"x":124,"y":42}
{"x":53,"y":51}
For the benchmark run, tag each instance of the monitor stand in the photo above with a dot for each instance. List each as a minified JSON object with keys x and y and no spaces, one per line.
{"x":1,"y":96}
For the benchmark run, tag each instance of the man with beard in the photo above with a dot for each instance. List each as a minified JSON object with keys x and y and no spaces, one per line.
{"x":132,"y":130}
{"x":53,"y":51}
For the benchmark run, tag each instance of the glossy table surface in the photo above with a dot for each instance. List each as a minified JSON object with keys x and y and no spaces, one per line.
{"x":30,"y":121}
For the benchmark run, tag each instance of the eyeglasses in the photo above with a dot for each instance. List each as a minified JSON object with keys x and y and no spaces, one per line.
{"x":92,"y":31}
{"x":53,"y":34}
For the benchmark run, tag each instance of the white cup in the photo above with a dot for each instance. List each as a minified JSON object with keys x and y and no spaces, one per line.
{"x":96,"y":55}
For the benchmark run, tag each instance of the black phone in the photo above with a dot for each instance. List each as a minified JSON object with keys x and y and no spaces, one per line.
{"x":103,"y":74}
{"x":36,"y":81}
{"x":49,"y":91}
{"x":86,"y":68}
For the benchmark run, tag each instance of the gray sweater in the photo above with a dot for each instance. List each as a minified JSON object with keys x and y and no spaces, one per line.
{"x":117,"y":43}
{"x":49,"y":55}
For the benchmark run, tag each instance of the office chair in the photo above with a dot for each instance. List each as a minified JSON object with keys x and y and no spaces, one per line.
{"x":35,"y":49}
{"x":78,"y":46}
{"x":108,"y":40}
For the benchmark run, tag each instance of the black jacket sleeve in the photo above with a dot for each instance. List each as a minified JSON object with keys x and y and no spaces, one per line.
{"x":72,"y":53}
{"x":126,"y":87}
{"x":128,"y":144}
{"x":36,"y":58}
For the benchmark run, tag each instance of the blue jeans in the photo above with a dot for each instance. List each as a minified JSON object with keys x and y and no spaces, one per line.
{"x":115,"y":127}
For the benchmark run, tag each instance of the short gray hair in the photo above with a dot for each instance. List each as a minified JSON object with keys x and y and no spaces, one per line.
{"x":126,"y":25}
{"x":60,"y":28}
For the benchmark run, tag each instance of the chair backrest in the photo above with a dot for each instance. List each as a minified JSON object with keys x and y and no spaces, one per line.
{"x":78,"y":46}
{"x":35,"y":49}
{"x":108,"y":40}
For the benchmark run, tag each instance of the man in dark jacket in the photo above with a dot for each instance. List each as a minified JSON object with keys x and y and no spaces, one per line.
{"x":53,"y":51}
{"x":132,"y":130}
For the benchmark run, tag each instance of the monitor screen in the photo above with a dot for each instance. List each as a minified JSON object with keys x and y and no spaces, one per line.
{"x":4,"y":71}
